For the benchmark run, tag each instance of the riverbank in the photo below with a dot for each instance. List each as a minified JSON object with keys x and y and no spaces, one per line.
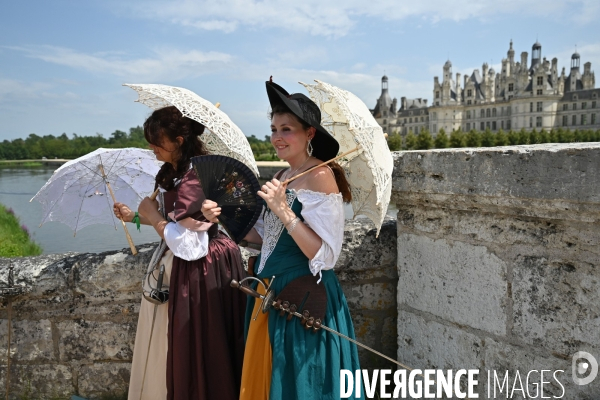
{"x":14,"y":237}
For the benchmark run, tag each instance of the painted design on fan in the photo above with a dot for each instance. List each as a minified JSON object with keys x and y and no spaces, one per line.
{"x":273,"y":228}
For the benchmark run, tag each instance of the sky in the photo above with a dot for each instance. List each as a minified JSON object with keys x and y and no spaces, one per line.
{"x":63,"y":63}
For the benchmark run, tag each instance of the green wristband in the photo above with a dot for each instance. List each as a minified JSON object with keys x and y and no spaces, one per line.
{"x":136,"y":221}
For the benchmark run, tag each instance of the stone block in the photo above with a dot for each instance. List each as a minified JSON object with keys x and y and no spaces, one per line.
{"x":372,"y":296}
{"x":104,"y":379}
{"x":456,"y":281}
{"x":94,"y":340}
{"x":556,"y":303}
{"x":506,"y":359}
{"x":424,"y":344}
{"x":40,"y":381}
{"x":30,"y":341}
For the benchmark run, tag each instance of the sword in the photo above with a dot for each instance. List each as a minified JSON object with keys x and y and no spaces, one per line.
{"x":306,"y":319}
{"x":268,"y":302}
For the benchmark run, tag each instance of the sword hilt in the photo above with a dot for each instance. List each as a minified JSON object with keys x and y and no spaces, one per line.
{"x":245,"y":289}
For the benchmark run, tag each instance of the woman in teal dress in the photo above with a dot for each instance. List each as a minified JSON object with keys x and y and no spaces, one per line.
{"x":301,"y":231}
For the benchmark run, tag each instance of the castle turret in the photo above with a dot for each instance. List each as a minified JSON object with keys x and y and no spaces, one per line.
{"x":511,"y":54}
{"x":536,"y":54}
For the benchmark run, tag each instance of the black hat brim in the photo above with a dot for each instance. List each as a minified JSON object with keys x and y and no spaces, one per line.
{"x":325,"y":146}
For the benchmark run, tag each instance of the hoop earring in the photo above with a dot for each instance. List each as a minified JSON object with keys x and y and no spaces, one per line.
{"x":309,"y":149}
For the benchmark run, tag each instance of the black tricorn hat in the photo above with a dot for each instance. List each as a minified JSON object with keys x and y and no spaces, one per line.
{"x":325,"y":147}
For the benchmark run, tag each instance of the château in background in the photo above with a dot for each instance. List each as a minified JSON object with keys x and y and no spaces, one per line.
{"x":521,"y":95}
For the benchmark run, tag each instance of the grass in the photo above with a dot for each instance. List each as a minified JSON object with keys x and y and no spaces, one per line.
{"x":20,"y":164}
{"x":14,"y":237}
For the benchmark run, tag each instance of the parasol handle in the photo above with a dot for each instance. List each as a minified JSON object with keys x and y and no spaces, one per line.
{"x":129,"y":239}
{"x":153,"y":195}
{"x":320,"y":165}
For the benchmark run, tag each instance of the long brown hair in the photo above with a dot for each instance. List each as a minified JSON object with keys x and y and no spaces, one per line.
{"x":169,"y":123}
{"x":338,"y":171}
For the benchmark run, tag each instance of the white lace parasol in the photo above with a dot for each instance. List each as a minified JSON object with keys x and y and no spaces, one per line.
{"x":369,"y":171}
{"x":222,"y":136}
{"x":77,"y":193}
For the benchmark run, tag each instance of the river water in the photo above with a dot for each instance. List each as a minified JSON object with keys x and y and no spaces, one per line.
{"x":19,"y":185}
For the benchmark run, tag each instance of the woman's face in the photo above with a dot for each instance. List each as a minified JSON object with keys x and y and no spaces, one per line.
{"x":289,"y":137}
{"x":167,"y":150}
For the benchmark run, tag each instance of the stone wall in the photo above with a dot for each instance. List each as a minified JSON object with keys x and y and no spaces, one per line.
{"x":498,"y":261}
{"x":74,"y":330}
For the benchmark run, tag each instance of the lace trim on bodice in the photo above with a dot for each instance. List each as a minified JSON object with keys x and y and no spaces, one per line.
{"x":273,"y":228}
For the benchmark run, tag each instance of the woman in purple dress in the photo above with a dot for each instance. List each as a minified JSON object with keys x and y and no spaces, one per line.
{"x":198,"y":342}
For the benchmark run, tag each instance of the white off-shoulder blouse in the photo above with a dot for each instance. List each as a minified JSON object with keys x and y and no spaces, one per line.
{"x":324,"y":214}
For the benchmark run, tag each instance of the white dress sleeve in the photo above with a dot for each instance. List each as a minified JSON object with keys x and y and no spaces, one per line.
{"x":184,"y":243}
{"x":324,"y":214}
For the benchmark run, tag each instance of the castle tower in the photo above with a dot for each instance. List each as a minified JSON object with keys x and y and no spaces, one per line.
{"x":511,"y":54}
{"x":536,"y":54}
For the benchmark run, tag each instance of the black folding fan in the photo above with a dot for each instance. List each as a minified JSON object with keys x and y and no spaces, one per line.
{"x":233,"y":186}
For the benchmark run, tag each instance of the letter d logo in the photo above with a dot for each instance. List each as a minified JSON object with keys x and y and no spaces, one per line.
{"x":581,"y":367}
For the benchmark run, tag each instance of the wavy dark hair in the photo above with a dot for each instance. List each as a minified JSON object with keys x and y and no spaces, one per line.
{"x":338,"y":171}
{"x":169,"y":123}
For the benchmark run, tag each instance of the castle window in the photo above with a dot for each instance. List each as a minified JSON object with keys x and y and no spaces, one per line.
{"x":584,"y":105}
{"x":482,"y":125}
{"x":384,"y":121}
{"x":574,"y":106}
{"x":487,"y":113}
{"x":594,"y":95}
{"x":540,"y":80}
{"x":511,"y":87}
{"x":469,"y":93}
{"x":593,"y":104}
{"x":531,"y":107}
{"x":468,"y":126}
{"x":482,"y":113}
{"x":538,"y":122}
{"x":404,"y":120}
{"x":434,"y":116}
{"x":502,"y":124}
{"x":502,"y":112}
{"x":583,"y":119}
{"x":575,"y":97}
{"x":508,"y":124}
{"x":487,"y":124}
{"x":565,"y":120}
{"x":540,"y":92}
{"x":574,"y":120}
{"x":468,"y":102}
{"x":493,"y":125}
{"x":493,"y":112}
{"x":437,"y":94}
{"x":410,"y":120}
{"x":435,"y":127}
{"x":531,"y":122}
{"x":437,"y":103}
{"x":565,"y":107}
{"x":539,"y":106}
{"x":593,"y":121}
{"x":468,"y":114}
{"x":421,"y":119}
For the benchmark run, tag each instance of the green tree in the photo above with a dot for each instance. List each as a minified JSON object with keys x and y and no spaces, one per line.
{"x":523,"y":136}
{"x":513,"y":137}
{"x":544,"y":136}
{"x":394,"y":141}
{"x":441,"y":140}
{"x":501,"y":139}
{"x":457,"y":138}
{"x":424,"y":140}
{"x":473,"y":138}
{"x":410,"y":141}
{"x":487,"y":138}
{"x":534,"y":137}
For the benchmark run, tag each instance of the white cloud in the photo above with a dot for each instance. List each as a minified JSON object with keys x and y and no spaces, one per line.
{"x":12,"y":90}
{"x":336,"y":18}
{"x":165,"y":63}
